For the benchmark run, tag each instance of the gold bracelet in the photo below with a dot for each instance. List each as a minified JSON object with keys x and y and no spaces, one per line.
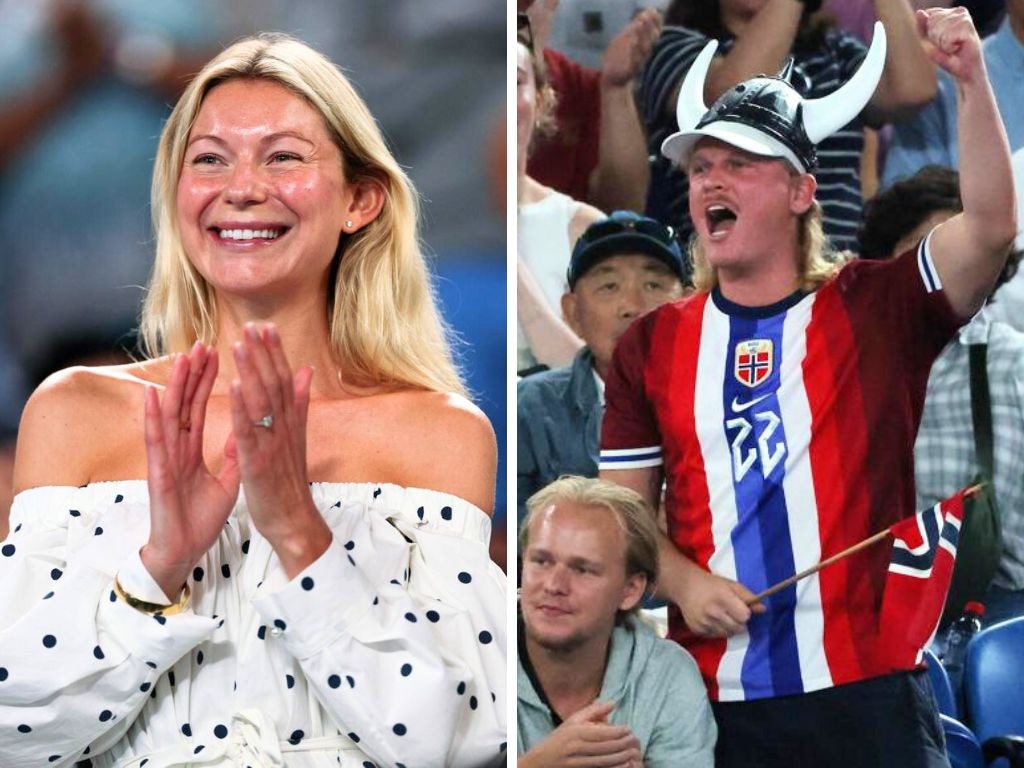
{"x":154,"y":609}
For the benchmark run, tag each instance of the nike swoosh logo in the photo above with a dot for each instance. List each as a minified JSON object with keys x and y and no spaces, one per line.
{"x":741,"y":407}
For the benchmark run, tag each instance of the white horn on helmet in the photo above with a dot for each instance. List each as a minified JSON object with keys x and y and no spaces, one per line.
{"x":690,"y":107}
{"x":823,"y":117}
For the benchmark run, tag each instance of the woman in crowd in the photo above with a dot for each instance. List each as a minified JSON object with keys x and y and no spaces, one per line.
{"x":549,"y":224}
{"x":225,"y":610}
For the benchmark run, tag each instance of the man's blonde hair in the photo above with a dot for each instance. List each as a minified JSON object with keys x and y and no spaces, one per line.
{"x":384,"y":325}
{"x":632,"y":513}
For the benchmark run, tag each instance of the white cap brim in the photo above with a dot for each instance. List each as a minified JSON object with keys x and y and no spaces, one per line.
{"x":679,"y":145}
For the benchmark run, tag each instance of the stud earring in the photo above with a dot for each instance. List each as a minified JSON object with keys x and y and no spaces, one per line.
{"x":348,"y":224}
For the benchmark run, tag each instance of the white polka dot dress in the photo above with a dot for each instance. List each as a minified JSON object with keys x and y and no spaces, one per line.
{"x":389,"y":650}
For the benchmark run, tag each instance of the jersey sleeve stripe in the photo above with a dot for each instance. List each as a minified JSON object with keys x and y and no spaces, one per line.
{"x":631,"y":458}
{"x":926,"y":266}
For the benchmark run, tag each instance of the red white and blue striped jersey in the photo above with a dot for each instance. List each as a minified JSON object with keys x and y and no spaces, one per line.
{"x":786,"y":434}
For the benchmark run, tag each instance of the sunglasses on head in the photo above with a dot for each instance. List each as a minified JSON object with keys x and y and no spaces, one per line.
{"x":615,"y":225}
{"x":524,"y":32}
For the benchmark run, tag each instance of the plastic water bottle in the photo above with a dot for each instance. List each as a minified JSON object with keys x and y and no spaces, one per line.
{"x":960,"y":633}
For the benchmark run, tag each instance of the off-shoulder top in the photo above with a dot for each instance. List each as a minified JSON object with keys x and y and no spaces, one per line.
{"x":388,"y":650}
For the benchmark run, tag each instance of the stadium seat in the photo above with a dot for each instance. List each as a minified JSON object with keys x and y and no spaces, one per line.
{"x":994,"y":691}
{"x":940,"y":684}
{"x":961,"y":746}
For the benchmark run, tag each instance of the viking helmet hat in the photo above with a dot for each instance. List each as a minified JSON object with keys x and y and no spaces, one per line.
{"x":766,"y":115}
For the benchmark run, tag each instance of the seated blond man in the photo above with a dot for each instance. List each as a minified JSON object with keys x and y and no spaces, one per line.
{"x":596,"y":685}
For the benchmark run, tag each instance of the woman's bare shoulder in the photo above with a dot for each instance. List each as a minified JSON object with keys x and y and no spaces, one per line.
{"x":455,"y":449}
{"x":583,"y":216}
{"x":75,"y":418}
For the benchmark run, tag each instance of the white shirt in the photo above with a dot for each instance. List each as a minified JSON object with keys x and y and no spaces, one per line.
{"x":387,"y":650}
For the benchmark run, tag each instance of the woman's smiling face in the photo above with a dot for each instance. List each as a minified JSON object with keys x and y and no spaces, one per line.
{"x":262,"y":196}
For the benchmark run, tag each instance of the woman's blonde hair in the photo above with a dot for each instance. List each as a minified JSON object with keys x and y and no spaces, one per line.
{"x":384,"y":326}
{"x":819,"y":262}
{"x":631,"y":512}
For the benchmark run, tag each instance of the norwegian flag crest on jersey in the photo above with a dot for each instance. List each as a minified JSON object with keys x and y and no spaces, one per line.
{"x":753,"y":361}
{"x":920,"y":572}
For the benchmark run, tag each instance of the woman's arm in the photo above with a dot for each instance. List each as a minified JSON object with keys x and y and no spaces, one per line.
{"x":400,"y":630}
{"x":551,"y":341}
{"x":909,"y":80}
{"x":76,"y":662}
{"x":78,"y":659}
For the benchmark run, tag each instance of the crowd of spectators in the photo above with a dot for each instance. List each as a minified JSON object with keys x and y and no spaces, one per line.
{"x":885,"y":181}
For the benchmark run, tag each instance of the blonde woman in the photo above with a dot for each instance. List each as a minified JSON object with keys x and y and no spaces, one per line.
{"x":266,"y":545}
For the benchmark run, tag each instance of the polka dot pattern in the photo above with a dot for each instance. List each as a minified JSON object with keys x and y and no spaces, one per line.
{"x":387,"y":578}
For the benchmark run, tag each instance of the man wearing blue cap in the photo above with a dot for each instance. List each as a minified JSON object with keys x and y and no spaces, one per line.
{"x":779,"y":406}
{"x":621,"y":267}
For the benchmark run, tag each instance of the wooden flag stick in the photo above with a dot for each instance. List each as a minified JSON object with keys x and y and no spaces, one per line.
{"x":815,"y":568}
{"x":967,"y":493}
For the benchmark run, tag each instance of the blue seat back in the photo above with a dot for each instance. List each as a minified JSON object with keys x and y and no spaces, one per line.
{"x":994,"y":680}
{"x":961,"y":746}
{"x":941,"y":685}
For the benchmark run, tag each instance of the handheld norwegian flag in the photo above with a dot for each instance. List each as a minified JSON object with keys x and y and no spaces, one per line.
{"x":920,"y":571}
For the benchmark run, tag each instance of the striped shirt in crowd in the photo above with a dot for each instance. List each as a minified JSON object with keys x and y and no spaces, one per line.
{"x":816,"y":73}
